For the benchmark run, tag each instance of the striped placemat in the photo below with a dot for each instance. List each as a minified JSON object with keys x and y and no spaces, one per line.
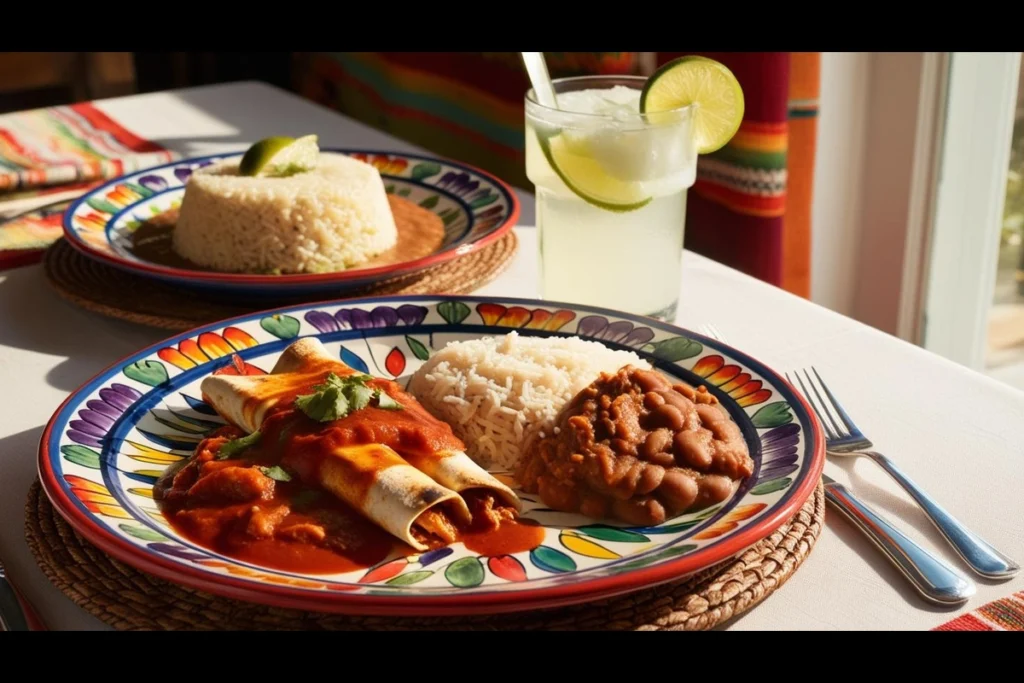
{"x":999,"y":615}
{"x":70,"y":144}
{"x":53,"y":155}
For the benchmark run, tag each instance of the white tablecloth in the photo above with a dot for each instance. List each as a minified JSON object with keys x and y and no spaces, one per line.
{"x":958,"y":433}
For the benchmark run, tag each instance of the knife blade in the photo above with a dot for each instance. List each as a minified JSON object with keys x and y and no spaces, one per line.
{"x":933,"y":578}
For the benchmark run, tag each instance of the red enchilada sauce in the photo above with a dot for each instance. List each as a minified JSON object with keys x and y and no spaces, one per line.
{"x":265,"y":506}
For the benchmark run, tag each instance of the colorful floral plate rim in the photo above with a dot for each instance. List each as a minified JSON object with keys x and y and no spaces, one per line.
{"x":476,"y":208}
{"x":104,"y":447}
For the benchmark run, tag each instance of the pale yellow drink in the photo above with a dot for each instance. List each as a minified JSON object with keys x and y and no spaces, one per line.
{"x":611,"y":189}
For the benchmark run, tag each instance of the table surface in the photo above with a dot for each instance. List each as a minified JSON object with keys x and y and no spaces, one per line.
{"x":959,"y":434}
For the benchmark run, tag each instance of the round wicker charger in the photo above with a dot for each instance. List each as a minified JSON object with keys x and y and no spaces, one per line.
{"x":102,"y":289}
{"x":131,"y":600}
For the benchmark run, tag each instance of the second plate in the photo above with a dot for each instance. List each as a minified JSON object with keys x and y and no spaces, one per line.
{"x":475,"y":208}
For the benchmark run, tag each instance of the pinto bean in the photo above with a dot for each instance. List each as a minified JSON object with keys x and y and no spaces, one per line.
{"x":711,"y":413}
{"x":650,"y":381}
{"x":714,"y":488}
{"x":653,"y":399}
{"x":668,"y":416}
{"x":676,"y":399}
{"x":685,"y":390}
{"x":693,"y":449}
{"x":726,"y":430}
{"x":732,"y":460}
{"x":656,"y":442}
{"x":642,"y":511}
{"x":663,"y":459}
{"x":678,"y":489}
{"x":650,"y":479}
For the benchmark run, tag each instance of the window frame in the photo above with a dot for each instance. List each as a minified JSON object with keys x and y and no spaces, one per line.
{"x":969,"y":195}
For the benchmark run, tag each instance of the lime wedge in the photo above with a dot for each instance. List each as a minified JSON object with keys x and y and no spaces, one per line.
{"x":706,"y":83}
{"x":571,"y":159}
{"x":280,"y":156}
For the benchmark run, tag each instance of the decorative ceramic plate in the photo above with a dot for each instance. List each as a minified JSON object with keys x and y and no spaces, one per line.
{"x":110,"y":440}
{"x":476,"y":209}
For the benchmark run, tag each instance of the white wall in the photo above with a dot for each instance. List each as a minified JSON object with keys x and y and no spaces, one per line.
{"x":838,"y":178}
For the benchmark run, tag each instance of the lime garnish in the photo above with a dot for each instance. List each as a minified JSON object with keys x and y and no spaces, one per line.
{"x":585,"y":176}
{"x":280,"y":157}
{"x":704,"y":82}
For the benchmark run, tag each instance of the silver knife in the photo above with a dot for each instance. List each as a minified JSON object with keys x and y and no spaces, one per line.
{"x":933,"y":578}
{"x":12,"y":616}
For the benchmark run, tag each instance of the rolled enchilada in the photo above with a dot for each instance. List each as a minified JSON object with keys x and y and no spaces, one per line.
{"x":390,"y":460}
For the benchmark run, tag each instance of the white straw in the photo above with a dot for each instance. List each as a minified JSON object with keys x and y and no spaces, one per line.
{"x":539,"y":78}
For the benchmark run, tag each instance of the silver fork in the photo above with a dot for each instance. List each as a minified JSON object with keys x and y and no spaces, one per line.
{"x":843,"y":438}
{"x":933,"y":578}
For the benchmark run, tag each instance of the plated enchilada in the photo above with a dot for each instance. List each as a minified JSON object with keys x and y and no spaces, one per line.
{"x":318,"y":461}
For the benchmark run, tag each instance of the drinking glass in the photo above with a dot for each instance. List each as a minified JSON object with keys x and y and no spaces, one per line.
{"x":611,"y":197}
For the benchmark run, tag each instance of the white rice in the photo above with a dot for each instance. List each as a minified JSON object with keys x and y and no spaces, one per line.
{"x":501,"y":394}
{"x":332,"y":218}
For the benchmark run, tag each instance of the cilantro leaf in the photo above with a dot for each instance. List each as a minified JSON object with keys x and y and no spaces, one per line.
{"x":325,"y":405}
{"x":277,"y":473}
{"x":331,"y":380}
{"x":385,"y":402}
{"x":359,"y":396}
{"x":337,"y":396}
{"x":236,"y":446}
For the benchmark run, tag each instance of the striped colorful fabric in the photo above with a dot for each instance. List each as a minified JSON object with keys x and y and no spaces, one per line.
{"x":735,"y":212}
{"x":1000,"y":615}
{"x":750,"y":207}
{"x":804,"y":89}
{"x":749,"y":174}
{"x":462,"y":105}
{"x":69,"y":144}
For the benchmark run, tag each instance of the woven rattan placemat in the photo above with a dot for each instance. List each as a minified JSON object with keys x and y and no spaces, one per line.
{"x":131,"y":600}
{"x":102,"y":289}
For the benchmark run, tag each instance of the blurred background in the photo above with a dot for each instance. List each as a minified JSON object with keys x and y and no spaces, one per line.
{"x":905,"y":230}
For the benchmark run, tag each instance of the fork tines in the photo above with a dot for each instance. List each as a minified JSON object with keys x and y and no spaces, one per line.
{"x":837,"y":424}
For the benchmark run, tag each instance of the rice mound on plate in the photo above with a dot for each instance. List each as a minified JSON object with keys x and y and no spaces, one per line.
{"x":331,"y":218}
{"x":500,"y":394}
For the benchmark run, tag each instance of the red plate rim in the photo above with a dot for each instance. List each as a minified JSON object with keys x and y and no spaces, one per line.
{"x":342,"y":602}
{"x":422,"y":263}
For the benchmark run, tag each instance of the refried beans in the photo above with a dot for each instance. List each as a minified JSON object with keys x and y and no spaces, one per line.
{"x":635,"y":447}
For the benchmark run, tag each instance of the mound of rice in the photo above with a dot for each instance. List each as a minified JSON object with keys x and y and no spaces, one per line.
{"x":332,"y":218}
{"x":501,"y":394}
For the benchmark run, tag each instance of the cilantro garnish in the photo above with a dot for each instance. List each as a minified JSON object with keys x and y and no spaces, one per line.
{"x":236,"y":446}
{"x":339,"y":396}
{"x":277,"y":473}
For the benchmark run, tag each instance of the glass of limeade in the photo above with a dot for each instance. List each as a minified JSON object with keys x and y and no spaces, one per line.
{"x":611,"y":188}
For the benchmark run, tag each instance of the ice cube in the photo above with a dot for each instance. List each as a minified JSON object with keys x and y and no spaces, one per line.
{"x":625,"y":113}
{"x":602,"y":102}
{"x":628,"y":149}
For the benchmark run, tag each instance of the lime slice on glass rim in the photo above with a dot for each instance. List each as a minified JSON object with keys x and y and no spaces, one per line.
{"x":704,"y":82}
{"x":583,"y":174}
{"x":280,"y":157}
